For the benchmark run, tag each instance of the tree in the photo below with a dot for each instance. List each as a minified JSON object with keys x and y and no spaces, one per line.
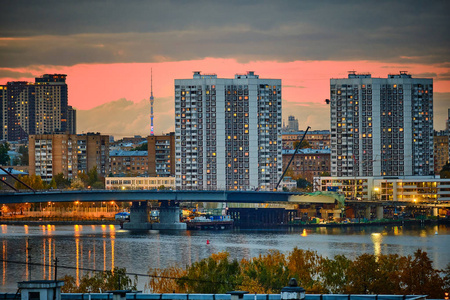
{"x":303,"y":145}
{"x":4,"y":157}
{"x":265,"y":274}
{"x":445,"y":172}
{"x":60,"y":181}
{"x":77,"y":184}
{"x":162,"y":280}
{"x":24,"y":158}
{"x":362,"y":274}
{"x":334,"y":273}
{"x":420,"y":278}
{"x":34,"y":181}
{"x":116,"y":279}
{"x":303,"y":183}
{"x":304,"y":265}
{"x":143,"y":147}
{"x":213,"y":275}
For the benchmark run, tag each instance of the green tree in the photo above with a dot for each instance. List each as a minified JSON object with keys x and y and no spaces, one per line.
{"x":305,"y":144}
{"x":116,"y":279}
{"x":60,"y":181}
{"x":4,"y":157}
{"x":303,"y":183}
{"x":24,"y":158}
{"x":445,"y":171}
{"x":334,"y":273}
{"x":213,"y":275}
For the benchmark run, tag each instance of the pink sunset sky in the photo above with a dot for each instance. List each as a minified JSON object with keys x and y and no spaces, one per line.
{"x":108,"y":49}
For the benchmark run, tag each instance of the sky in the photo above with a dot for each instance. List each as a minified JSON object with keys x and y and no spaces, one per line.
{"x":108,"y":49}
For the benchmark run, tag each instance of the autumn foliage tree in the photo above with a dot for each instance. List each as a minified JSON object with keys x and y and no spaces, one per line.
{"x":116,"y":279}
{"x":269,"y":273}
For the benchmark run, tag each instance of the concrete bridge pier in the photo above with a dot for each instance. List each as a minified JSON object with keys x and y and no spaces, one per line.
{"x":169,"y":217}
{"x":368,"y":212}
{"x":435,"y":212}
{"x":380,"y":211}
{"x":139,"y":217}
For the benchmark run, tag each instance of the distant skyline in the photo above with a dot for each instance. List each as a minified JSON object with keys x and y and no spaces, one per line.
{"x":107,"y":49}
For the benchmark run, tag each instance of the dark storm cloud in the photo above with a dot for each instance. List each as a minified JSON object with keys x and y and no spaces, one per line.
{"x":14,"y":74}
{"x":71,"y":32}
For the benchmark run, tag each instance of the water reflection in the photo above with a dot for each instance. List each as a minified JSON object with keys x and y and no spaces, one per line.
{"x":4,"y":261}
{"x":80,"y":246}
{"x":377,"y":238}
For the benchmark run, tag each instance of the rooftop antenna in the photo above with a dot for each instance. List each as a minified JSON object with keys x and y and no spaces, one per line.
{"x":151,"y":103}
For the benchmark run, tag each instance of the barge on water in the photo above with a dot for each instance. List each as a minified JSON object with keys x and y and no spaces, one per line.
{"x":214,"y":222}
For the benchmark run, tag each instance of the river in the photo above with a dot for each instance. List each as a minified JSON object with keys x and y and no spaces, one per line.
{"x":27,"y":251}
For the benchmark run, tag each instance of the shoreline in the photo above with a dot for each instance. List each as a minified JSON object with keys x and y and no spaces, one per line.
{"x":114,"y":222}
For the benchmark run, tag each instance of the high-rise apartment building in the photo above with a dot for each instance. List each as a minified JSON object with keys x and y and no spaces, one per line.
{"x":35,"y":108}
{"x":440,"y":150}
{"x":381,"y":126}
{"x":227,"y":132}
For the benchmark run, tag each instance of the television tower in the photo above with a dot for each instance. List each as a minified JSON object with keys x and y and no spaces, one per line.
{"x":151,"y":104}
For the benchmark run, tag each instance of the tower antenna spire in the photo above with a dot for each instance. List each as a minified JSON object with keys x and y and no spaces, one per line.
{"x":151,"y":103}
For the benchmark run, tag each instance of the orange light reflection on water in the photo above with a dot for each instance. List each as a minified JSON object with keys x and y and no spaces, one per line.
{"x":27,"y":273}
{"x":49,"y":258}
{"x":304,"y":233}
{"x":4,"y":228}
{"x":113,"y":237}
{"x":4,"y":261}
{"x":25,"y":228}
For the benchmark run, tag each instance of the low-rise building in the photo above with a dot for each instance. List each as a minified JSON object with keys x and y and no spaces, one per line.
{"x":161,"y":155}
{"x":307,"y":163}
{"x":132,"y":163}
{"x":414,"y":189}
{"x":317,"y":139}
{"x":52,"y":154}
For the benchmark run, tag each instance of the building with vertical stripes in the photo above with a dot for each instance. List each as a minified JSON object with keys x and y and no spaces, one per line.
{"x":35,"y":108}
{"x":381,"y":126}
{"x":227,"y":132}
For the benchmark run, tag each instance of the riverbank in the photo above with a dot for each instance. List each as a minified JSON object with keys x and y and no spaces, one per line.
{"x":59,"y":221}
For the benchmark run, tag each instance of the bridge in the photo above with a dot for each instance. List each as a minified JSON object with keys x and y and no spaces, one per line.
{"x":169,"y":200}
{"x":145,"y":195}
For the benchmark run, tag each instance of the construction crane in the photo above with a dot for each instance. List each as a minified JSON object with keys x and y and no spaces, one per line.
{"x":292,"y":158}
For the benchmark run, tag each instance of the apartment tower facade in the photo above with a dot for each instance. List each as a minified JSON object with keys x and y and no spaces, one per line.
{"x":381,"y":126}
{"x":227,"y":132}
{"x":35,"y":108}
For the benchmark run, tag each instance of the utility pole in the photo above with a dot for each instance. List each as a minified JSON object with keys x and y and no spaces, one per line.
{"x":56,"y":269}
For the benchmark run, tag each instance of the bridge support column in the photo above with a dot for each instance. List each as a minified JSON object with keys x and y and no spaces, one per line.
{"x":368,"y":212}
{"x":337,"y":214}
{"x":380,"y":211}
{"x":169,"y":217}
{"x":435,"y":211}
{"x":139,"y":214}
